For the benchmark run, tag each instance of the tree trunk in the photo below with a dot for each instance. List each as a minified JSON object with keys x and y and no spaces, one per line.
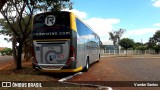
{"x":118,"y":46}
{"x":126,"y":52}
{"x":19,"y":64}
{"x":14,"y":49}
{"x":27,"y":51}
{"x":118,"y":49}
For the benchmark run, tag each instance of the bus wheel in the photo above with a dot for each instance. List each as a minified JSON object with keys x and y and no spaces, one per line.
{"x":99,"y":57}
{"x":87,"y":66}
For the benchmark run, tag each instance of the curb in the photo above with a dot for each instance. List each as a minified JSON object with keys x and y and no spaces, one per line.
{"x":64,"y":80}
{"x":69,"y":77}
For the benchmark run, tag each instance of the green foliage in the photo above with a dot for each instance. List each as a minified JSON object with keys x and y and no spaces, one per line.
{"x":156,"y":36}
{"x":6,"y":51}
{"x":140,"y":46}
{"x":154,"y":42}
{"x":126,"y":43}
{"x":137,"y":44}
{"x":157,"y":49}
{"x":7,"y":30}
{"x":52,"y":5}
{"x":151,"y":43}
{"x":2,"y":52}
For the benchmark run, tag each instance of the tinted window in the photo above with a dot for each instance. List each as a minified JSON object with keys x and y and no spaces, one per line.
{"x":43,"y":28}
{"x":80,"y":27}
{"x":83,"y":30}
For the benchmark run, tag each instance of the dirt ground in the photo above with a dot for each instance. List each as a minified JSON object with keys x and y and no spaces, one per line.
{"x":110,"y":71}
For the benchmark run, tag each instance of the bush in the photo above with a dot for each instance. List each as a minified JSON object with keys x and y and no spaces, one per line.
{"x":6,"y":51}
{"x":157,"y":49}
{"x":2,"y":52}
{"x":142,"y":48}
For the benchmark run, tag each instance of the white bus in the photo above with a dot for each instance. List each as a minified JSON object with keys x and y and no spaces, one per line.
{"x":63,"y":43}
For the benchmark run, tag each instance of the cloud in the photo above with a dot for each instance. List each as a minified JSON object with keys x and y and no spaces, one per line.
{"x":80,"y":14}
{"x":157,"y":25}
{"x":102,"y":25}
{"x":99,"y":25}
{"x":140,"y":32}
{"x":156,"y":3}
{"x":140,"y":35}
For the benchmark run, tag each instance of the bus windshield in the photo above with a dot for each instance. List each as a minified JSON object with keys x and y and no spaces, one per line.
{"x":51,"y":26}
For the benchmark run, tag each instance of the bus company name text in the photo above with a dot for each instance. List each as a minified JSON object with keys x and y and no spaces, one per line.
{"x":51,"y":33}
{"x":21,"y":84}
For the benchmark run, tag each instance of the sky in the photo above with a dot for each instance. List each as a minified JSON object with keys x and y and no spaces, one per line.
{"x":140,"y":18}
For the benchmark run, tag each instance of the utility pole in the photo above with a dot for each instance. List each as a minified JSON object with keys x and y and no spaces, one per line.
{"x":141,"y":41}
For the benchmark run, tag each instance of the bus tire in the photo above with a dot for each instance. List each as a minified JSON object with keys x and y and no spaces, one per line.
{"x":85,"y":69}
{"x":99,"y":57}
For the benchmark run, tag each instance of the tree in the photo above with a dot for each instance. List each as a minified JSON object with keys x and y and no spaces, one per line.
{"x":154,"y":42}
{"x":137,"y":44}
{"x":115,"y":36}
{"x":14,"y":12}
{"x":6,"y":30}
{"x":157,"y":49}
{"x":140,"y":46}
{"x":151,"y":43}
{"x":126,"y":43}
{"x":156,"y":36}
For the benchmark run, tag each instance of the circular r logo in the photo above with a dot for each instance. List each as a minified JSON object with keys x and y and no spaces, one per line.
{"x":50,"y":20}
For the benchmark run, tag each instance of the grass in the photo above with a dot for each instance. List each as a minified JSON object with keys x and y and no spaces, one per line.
{"x":27,"y":73}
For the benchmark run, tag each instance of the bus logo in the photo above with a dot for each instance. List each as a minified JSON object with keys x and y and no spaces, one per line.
{"x":50,"y":20}
{"x":6,"y":84}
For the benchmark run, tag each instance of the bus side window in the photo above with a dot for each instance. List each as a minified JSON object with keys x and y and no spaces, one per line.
{"x":80,"y":27}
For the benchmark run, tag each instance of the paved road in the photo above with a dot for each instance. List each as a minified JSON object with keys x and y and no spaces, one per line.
{"x":123,"y":69}
{"x":4,"y":59}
